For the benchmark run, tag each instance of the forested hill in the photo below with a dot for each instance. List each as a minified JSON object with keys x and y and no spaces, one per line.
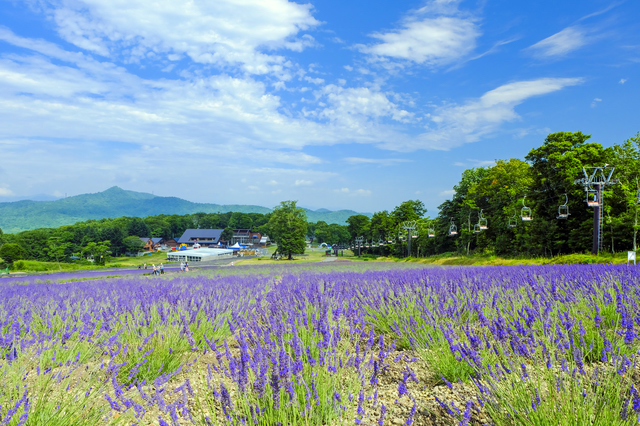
{"x":116,"y":202}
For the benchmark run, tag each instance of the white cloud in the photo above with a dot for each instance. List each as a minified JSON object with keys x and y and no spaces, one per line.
{"x":595,"y":102}
{"x":447,"y":193}
{"x":302,"y":182}
{"x":354,"y":106}
{"x":236,"y":32}
{"x":561,"y":43}
{"x":5,"y":192}
{"x":380,"y":161}
{"x":622,"y":81}
{"x":454,"y":125}
{"x":435,"y":35}
{"x":355,"y":193}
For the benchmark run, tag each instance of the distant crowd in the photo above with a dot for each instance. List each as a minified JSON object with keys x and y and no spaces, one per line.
{"x":159,"y":270}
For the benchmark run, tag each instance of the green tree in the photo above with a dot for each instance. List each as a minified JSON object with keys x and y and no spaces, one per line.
{"x":11,"y":252}
{"x":288,"y":227}
{"x":240,"y":221}
{"x":99,"y":251}
{"x":138,"y":227}
{"x":57,"y":249}
{"x":322,"y":232}
{"x":382,"y":226}
{"x":626,"y":159}
{"x":358,"y":226}
{"x":227,"y":234}
{"x":460,"y":209}
{"x":555,"y":166}
{"x":409,"y":210}
{"x":339,"y":234}
{"x":133,"y":244}
{"x":498,"y":194}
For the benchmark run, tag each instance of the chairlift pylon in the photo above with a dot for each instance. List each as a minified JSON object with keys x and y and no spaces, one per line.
{"x":453,"y":229}
{"x":563,"y":210}
{"x":525,"y":212}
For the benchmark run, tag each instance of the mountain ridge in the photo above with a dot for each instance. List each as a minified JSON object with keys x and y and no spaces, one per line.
{"x":24,"y":215}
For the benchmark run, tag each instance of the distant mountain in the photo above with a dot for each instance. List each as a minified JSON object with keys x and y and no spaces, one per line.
{"x":116,"y":202}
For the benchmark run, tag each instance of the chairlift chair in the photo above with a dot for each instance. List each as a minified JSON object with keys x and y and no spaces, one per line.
{"x":592,"y":197}
{"x":453,"y":229}
{"x":482,"y":222}
{"x":525,"y":212}
{"x":563,"y":210}
{"x":513,"y":220}
{"x":391,"y":240}
{"x":431,"y":232}
{"x":476,"y":229}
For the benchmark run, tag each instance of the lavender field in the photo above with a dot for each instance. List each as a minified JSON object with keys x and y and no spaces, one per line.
{"x":324,"y":345}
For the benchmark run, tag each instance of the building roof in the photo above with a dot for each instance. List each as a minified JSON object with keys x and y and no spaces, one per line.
{"x":156,"y":240}
{"x":144,"y":240}
{"x":201,"y":253}
{"x":191,"y":234}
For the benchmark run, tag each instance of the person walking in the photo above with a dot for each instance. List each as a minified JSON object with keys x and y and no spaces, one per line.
{"x":186,"y":266}
{"x":161,"y":269}
{"x":154,"y":269}
{"x":145,"y":266}
{"x":181,"y":266}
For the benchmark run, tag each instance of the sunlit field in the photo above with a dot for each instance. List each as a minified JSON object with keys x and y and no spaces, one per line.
{"x":354,"y":343}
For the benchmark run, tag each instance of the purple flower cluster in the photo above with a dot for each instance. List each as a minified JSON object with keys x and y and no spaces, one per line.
{"x":299,"y":344}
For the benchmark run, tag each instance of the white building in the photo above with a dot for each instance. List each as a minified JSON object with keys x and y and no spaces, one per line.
{"x":199,"y":255}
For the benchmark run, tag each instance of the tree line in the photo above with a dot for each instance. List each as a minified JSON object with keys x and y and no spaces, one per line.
{"x":547,"y":178}
{"x":114,"y":237}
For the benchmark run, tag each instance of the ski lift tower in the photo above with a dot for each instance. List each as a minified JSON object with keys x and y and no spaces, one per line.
{"x":594,"y":181}
{"x":359,"y":241}
{"x":409,"y":226}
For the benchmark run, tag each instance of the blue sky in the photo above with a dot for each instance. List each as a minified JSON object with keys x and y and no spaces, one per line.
{"x":358,"y":105}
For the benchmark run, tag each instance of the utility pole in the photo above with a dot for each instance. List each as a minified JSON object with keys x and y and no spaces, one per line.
{"x":409,"y":226}
{"x":594,"y":181}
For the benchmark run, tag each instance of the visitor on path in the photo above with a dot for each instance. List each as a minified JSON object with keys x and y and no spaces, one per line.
{"x":186,"y":266}
{"x":154,"y":269}
{"x":161,"y":269}
{"x":182,"y":266}
{"x":145,"y":266}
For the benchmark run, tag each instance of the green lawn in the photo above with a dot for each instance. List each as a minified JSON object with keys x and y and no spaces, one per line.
{"x":115,"y":262}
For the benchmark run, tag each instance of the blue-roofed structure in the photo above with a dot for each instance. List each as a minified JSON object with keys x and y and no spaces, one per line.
{"x":204,"y":237}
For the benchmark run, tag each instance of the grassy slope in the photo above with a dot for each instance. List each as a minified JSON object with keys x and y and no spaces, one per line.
{"x":317,"y":255}
{"x":117,"y":262}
